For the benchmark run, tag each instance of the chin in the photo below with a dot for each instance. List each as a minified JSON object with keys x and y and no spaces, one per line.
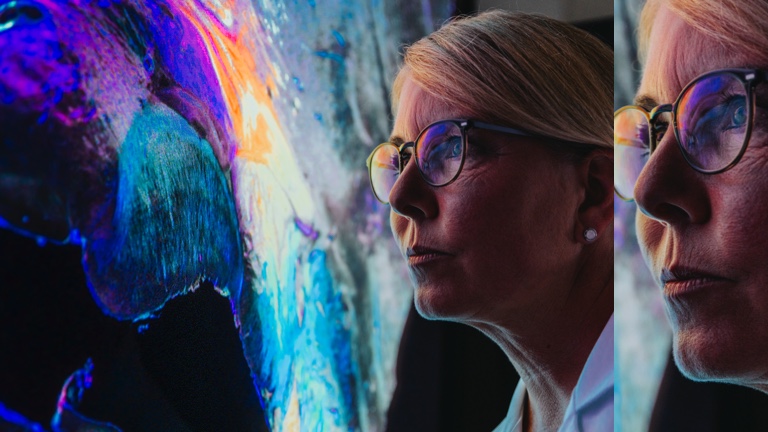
{"x":437,"y":303}
{"x":706,"y":354}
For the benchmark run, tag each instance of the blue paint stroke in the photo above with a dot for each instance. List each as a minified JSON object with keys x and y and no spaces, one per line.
{"x":66,"y":417}
{"x":172,"y":195}
{"x":21,"y":13}
{"x":304,"y":337}
{"x":74,"y":237}
{"x":11,"y":420}
{"x":339,"y":38}
{"x":298,"y":84}
{"x":324,"y":317}
{"x":330,"y":56}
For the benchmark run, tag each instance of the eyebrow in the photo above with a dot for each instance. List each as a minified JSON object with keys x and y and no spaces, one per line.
{"x":646,"y":102}
{"x":396,"y":140}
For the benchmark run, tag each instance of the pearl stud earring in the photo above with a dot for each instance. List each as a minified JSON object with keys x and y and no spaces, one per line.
{"x":590,"y":235}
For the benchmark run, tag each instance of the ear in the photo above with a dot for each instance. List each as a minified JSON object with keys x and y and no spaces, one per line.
{"x":172,"y":220}
{"x":596,"y":209}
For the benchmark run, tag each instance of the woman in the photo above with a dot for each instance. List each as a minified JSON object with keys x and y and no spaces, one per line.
{"x":503,"y":206}
{"x":692,"y":154}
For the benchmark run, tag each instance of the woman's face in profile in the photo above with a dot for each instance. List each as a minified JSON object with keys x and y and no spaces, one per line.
{"x":704,"y":236}
{"x":487,"y":246}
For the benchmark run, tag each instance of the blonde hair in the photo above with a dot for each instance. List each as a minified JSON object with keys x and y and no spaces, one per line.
{"x":519,"y":70}
{"x":737,"y":24}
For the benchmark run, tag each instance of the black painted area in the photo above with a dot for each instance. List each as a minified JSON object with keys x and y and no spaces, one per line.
{"x":450,"y":377}
{"x":185,"y":372}
{"x":684,"y":405}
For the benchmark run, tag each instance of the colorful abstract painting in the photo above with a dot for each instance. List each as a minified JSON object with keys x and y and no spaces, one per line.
{"x":221,"y":141}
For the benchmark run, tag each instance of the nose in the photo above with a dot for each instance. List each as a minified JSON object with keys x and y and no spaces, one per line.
{"x":671,"y":191}
{"x":411,"y":196}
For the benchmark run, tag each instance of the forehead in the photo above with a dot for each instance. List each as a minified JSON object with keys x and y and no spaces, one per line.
{"x":678,"y":53}
{"x":417,"y":109}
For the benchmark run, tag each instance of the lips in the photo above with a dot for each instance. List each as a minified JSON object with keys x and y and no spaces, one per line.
{"x":419,"y":254}
{"x":679,"y":280}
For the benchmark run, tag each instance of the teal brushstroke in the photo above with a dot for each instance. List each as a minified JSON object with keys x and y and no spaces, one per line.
{"x":307,"y":341}
{"x":174,"y":221}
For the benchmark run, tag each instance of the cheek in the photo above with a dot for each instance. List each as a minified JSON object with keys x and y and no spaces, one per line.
{"x":523,"y":223}
{"x":650,"y":235}
{"x":738,"y":210}
{"x":740,"y":221}
{"x":399,"y":225}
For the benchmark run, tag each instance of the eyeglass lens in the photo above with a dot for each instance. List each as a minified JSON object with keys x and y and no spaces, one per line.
{"x":712,"y":121}
{"x":712,"y":124}
{"x":438,"y":153}
{"x":384,"y":170}
{"x":631,"y":138}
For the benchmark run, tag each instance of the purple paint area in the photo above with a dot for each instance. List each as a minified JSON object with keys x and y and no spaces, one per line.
{"x":182,"y":45}
{"x":306,"y":229}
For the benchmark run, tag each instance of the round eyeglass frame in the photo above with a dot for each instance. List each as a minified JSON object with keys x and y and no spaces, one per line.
{"x":749,"y":79}
{"x":464,"y":126}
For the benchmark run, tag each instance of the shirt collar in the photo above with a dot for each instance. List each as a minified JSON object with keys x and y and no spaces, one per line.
{"x":513,"y":422}
{"x":595,"y":381}
{"x":597,"y":376}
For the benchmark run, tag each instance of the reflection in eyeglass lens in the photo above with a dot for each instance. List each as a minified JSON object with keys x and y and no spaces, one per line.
{"x":712,"y":121}
{"x":384,"y":171}
{"x":439,"y":150}
{"x":632,"y":149}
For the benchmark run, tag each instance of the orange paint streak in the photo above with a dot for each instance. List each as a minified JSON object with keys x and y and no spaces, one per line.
{"x":233,"y":59}
{"x":258,"y":145}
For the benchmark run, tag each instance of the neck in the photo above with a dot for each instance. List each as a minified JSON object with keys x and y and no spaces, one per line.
{"x":550,"y":351}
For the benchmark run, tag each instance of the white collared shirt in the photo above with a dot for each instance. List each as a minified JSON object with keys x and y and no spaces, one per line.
{"x":591,"y":406}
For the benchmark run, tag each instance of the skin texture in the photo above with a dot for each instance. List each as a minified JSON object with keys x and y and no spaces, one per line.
{"x":514,"y":263}
{"x":710,"y":227}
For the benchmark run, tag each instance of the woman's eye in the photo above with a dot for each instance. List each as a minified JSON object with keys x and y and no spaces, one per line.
{"x":449,"y":148}
{"x":738,"y":117}
{"x":732,"y":114}
{"x":455,"y":143}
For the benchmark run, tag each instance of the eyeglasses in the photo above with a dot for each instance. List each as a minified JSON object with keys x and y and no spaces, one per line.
{"x":440,"y":150}
{"x":712,"y":119}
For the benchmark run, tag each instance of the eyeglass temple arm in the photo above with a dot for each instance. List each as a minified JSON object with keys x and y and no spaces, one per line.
{"x":488,"y":126}
{"x":513,"y":131}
